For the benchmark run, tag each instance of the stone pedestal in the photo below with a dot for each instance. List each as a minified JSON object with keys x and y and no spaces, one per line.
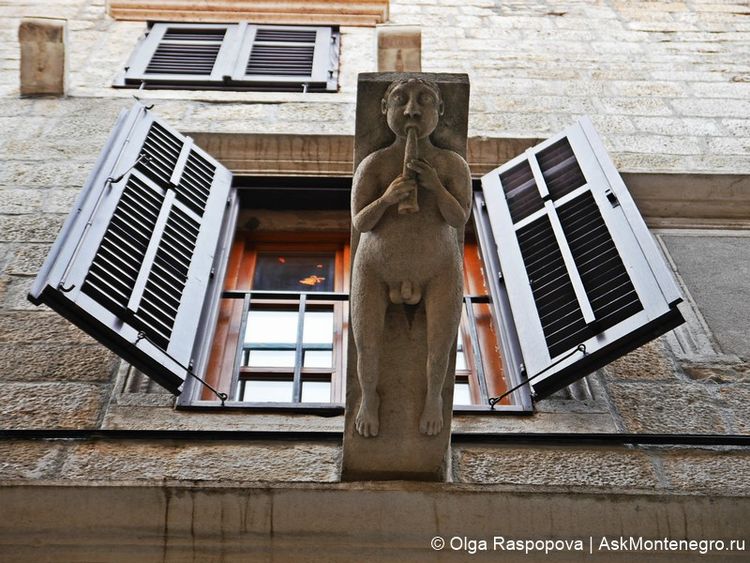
{"x":400,"y":450}
{"x":43,"y":57}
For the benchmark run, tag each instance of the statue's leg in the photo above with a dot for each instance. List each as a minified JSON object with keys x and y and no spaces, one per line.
{"x":443,"y":312}
{"x":369,"y":304}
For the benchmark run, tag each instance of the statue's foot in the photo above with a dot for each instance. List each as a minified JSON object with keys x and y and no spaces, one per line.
{"x":431,"y":421}
{"x":367,"y":422}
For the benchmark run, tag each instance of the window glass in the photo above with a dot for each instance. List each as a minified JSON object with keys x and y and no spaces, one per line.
{"x":267,"y":391}
{"x":461,"y":394}
{"x":294,"y":272}
{"x":316,"y":391}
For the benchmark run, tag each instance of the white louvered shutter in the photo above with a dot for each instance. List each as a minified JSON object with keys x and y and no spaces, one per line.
{"x":287,"y":57}
{"x":584,"y":278}
{"x":238,"y":56}
{"x":133,"y":265}
{"x":174,"y":54}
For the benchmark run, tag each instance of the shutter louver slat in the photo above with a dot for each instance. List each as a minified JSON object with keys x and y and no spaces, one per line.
{"x":581,"y":253}
{"x":133,"y":264}
{"x":101,"y":279}
{"x":186,"y":51}
{"x":521,"y":191}
{"x":281,"y":60}
{"x":550,"y":284}
{"x":560,"y":169}
{"x":195,"y":184}
{"x":597,"y":259}
{"x":280,"y":35}
{"x":168,"y":261}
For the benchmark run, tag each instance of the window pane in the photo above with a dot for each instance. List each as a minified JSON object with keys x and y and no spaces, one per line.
{"x":318,"y":327}
{"x":271,"y":359}
{"x":461,"y":394}
{"x":264,"y":391}
{"x":271,"y":327}
{"x":461,"y":362}
{"x":316,"y":391}
{"x":318,"y":359}
{"x":294,"y":272}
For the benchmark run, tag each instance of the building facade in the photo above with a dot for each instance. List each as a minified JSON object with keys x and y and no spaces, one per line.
{"x":99,"y":462}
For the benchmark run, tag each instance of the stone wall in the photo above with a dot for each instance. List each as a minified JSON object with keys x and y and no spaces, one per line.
{"x":666,"y":84}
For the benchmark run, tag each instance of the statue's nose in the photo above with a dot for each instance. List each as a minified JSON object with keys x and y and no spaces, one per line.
{"x":412,"y":109}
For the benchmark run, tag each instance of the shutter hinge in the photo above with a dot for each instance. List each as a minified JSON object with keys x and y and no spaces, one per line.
{"x":191,"y":363}
{"x":500,"y":275}
{"x":212,"y":273}
{"x":612,"y":198}
{"x":305,"y":85}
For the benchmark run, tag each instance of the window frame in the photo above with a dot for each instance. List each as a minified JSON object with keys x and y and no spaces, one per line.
{"x":195,"y":397}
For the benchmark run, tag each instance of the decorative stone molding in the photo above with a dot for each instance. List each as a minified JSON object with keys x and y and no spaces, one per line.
{"x":666,"y":200}
{"x":306,"y":12}
{"x":399,"y":48}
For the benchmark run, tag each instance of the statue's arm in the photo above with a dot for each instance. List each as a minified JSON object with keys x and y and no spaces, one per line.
{"x":454,"y":200}
{"x":368,"y":206}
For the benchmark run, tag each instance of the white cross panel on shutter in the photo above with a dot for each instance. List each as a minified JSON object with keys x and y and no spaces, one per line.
{"x":584,"y":278}
{"x":134,"y":263}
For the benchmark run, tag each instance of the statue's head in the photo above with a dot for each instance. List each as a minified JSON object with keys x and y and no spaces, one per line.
{"x":412,"y":102}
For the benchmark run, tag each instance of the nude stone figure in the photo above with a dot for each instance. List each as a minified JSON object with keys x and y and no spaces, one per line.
{"x":408,"y":253}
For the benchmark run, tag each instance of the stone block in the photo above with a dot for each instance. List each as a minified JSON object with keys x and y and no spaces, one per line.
{"x":49,"y":361}
{"x":736,"y":400}
{"x":26,"y":259}
{"x":708,"y":472}
{"x":30,"y":227}
{"x":649,"y":362}
{"x":553,"y":467}
{"x":678,"y":408}
{"x":51,"y":405}
{"x":39,"y":326}
{"x":716,"y":269}
{"x":399,"y":48}
{"x":44,"y":61}
{"x":28,"y":460}
{"x":221,"y":462}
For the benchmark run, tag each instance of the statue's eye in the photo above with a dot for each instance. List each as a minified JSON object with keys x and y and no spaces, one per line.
{"x":399,"y":99}
{"x":426,"y":99}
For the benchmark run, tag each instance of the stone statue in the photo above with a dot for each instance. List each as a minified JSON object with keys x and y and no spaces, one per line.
{"x":410,"y":201}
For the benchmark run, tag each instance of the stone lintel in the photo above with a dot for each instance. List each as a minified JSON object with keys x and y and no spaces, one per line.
{"x":43,"y":58}
{"x":305,"y":12}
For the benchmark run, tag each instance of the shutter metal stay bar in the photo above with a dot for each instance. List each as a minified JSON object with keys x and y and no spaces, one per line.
{"x":494,"y":400}
{"x":188,"y":369}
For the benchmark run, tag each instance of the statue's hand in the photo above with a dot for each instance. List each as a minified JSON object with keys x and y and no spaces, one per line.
{"x":399,"y":189}
{"x":426,"y":174}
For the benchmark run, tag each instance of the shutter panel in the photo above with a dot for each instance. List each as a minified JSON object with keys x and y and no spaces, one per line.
{"x":133,"y":265}
{"x":288,"y":58}
{"x":176,"y":54}
{"x":578,"y":263}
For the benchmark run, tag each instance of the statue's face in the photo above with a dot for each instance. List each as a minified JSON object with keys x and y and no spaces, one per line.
{"x":412,"y":104}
